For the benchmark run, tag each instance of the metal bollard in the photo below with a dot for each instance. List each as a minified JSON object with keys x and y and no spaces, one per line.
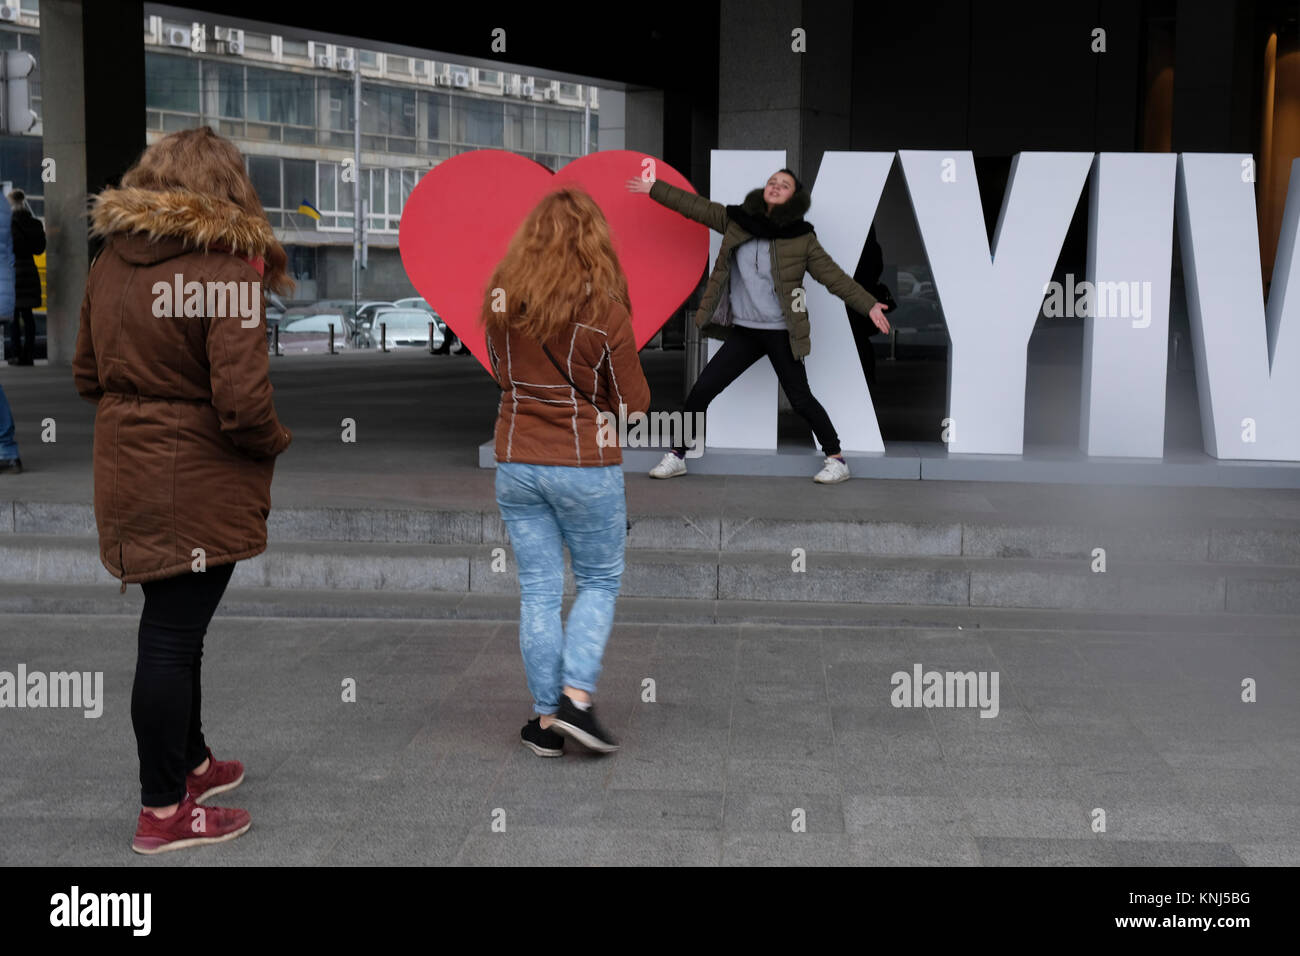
{"x":277,"y":339}
{"x":383,"y":336}
{"x":332,"y":352}
{"x":893,"y":341}
{"x":430,"y":338}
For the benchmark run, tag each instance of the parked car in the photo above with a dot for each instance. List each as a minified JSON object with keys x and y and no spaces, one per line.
{"x":359,"y":325}
{"x":405,"y":328}
{"x":275,"y":310}
{"x":311,"y":333}
{"x":333,"y":307}
{"x":451,"y":342}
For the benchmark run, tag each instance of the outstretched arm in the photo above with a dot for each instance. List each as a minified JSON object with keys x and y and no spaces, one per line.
{"x":823,"y":268}
{"x":689,"y":204}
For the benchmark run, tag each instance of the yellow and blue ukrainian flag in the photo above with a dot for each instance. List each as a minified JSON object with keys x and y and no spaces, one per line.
{"x":307,"y":209}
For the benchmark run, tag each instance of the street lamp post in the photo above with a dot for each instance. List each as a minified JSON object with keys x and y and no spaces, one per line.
{"x":356,"y":182}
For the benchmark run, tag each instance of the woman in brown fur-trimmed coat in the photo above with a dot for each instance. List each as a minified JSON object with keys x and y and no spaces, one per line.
{"x":172,"y":350}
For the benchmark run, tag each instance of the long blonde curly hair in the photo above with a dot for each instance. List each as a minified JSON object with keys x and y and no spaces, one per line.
{"x":559,"y":265}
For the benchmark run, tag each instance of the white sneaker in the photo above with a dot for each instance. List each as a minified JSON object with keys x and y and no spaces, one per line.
{"x":834,"y":471}
{"x":670,"y":467}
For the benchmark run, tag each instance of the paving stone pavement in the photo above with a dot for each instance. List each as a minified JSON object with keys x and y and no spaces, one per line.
{"x":764,"y":745}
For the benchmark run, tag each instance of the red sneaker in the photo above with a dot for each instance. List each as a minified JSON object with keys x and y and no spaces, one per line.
{"x":221,"y":775}
{"x":190,"y":825}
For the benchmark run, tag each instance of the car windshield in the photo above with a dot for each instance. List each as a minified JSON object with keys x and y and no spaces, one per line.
{"x":404,"y":320}
{"x":312,"y":323}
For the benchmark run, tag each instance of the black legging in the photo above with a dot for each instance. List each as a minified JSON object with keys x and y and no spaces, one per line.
{"x":745,"y":346}
{"x":166,"y":697}
{"x":23,"y":326}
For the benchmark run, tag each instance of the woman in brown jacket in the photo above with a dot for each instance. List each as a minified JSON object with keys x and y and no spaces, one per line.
{"x":173,"y":352}
{"x":560,"y":342}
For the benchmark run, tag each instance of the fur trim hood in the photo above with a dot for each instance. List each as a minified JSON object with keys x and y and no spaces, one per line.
{"x":196,"y":220}
{"x":783,"y":222}
{"x":792,"y":210}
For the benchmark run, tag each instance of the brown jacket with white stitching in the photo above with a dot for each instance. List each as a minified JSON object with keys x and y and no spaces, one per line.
{"x":541,"y":420}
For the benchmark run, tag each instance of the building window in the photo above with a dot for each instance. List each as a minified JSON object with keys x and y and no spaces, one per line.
{"x":389,"y":111}
{"x":519,"y":127}
{"x":227,"y":83}
{"x":299,"y":186}
{"x":258,"y":42}
{"x":399,"y":64}
{"x":278,"y":96}
{"x":338,"y":92}
{"x":489,"y":77}
{"x":295,"y":48}
{"x":478,"y":122}
{"x":171,"y":83}
{"x":437,"y":111}
{"x":569,"y":90}
{"x":335,"y":197}
{"x":20,"y":161}
{"x":369,"y":59}
{"x":264,"y":171}
{"x":563,"y":131}
{"x":302,"y":262}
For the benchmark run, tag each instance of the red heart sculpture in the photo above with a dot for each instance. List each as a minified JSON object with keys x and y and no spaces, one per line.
{"x":462,"y":214}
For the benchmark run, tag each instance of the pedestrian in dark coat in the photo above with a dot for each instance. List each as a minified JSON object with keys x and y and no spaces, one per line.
{"x":172,"y":349}
{"x":29,"y":242}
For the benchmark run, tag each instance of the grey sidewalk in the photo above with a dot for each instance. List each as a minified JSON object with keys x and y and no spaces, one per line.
{"x":751,"y":724}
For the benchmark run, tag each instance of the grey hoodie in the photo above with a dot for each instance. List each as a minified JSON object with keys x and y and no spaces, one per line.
{"x":753,"y":299}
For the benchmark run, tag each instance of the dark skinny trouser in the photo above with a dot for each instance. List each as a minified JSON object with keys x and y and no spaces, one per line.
{"x":166,"y":698}
{"x":22,"y":335}
{"x":745,"y":346}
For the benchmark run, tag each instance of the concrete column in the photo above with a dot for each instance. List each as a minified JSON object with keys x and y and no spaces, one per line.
{"x":643,"y":121}
{"x":611,"y":129}
{"x":632,"y":119}
{"x":771,"y":97}
{"x":93,"y":98}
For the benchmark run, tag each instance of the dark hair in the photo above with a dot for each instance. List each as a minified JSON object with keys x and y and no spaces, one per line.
{"x":17,"y":195}
{"x":790,"y":172}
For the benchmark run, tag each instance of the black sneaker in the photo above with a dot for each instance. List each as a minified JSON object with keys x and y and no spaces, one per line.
{"x":581,"y":726}
{"x":14,"y":465}
{"x":544,"y":743}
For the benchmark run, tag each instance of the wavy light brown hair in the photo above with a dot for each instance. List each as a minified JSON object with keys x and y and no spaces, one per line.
{"x":202,"y":162}
{"x":560,"y":265}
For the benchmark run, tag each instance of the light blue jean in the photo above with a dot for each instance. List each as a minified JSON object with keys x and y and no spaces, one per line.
{"x":544,"y":508}
{"x":8,"y":447}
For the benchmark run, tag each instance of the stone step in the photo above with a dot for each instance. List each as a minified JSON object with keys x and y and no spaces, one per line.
{"x":1236,"y":540}
{"x":261,"y":603}
{"x":829,"y":577}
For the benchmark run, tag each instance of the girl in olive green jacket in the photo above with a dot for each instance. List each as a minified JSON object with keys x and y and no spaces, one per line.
{"x":754,"y":300}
